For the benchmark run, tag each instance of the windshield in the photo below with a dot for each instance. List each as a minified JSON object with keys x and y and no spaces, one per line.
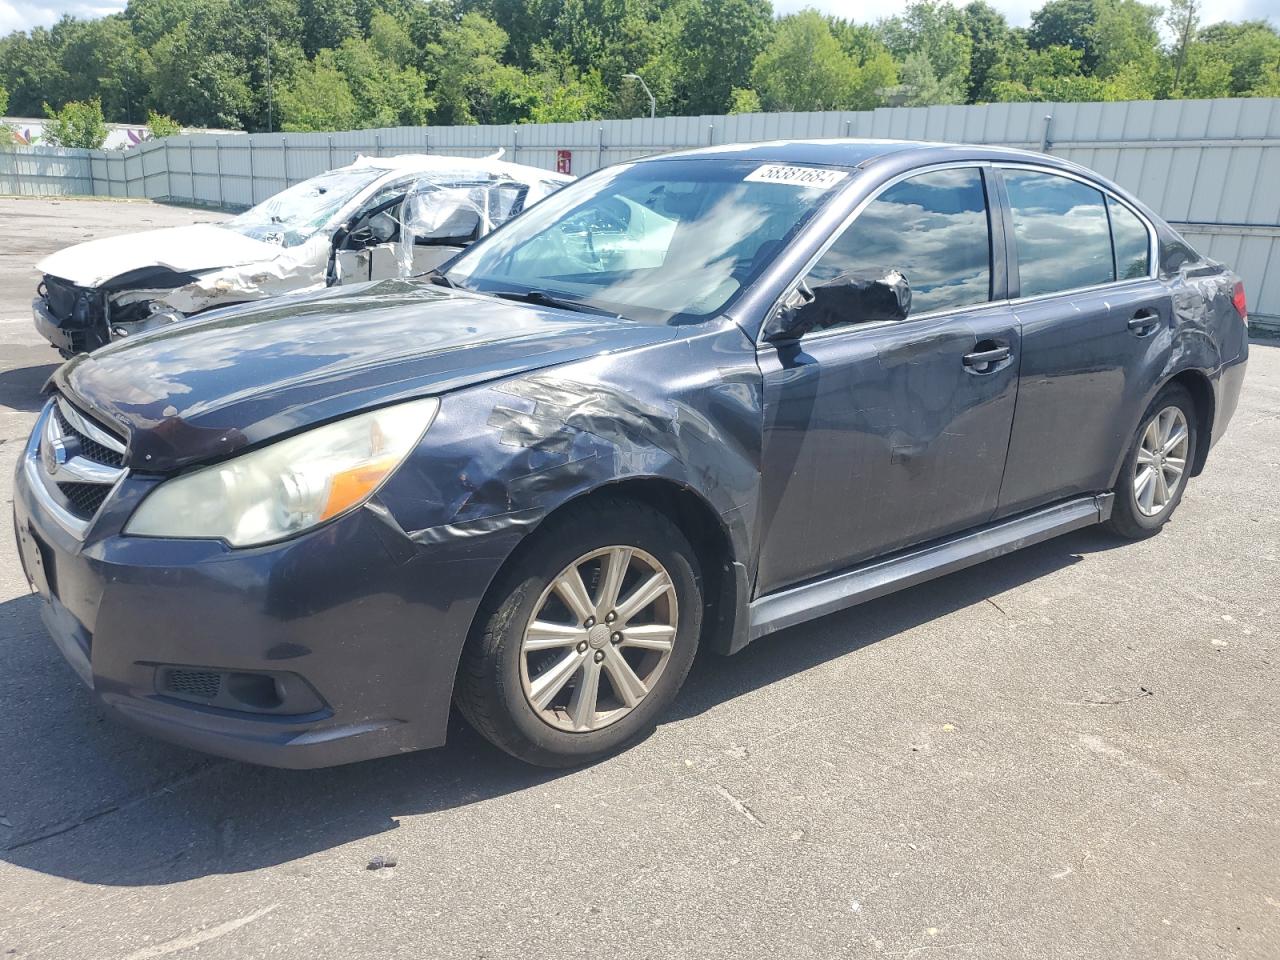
{"x":292,"y":216}
{"x":668,"y":241}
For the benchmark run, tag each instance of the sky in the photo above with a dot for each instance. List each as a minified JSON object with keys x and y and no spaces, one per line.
{"x":25,"y":14}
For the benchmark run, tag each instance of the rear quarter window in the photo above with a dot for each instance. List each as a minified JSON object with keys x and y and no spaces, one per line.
{"x":1132,"y":242}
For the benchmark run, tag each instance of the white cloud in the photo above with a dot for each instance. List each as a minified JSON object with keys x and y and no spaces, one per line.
{"x":23,"y":15}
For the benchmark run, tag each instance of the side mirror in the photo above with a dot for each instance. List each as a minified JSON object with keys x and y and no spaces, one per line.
{"x":843,"y":300}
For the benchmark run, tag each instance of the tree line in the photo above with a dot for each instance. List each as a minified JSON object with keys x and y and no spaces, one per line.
{"x":344,"y":64}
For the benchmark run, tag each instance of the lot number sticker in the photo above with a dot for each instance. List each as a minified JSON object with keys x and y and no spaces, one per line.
{"x":810,"y":177}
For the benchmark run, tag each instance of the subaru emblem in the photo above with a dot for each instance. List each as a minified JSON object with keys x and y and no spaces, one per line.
{"x":53,"y":452}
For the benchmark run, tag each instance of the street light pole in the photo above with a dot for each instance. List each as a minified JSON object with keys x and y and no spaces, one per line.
{"x":653,"y":104}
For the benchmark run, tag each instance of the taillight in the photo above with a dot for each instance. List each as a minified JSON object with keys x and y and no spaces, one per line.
{"x":1238,"y":301}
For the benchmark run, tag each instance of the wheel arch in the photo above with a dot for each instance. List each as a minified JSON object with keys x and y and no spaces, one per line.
{"x":722,"y":575}
{"x":1196,"y":383}
{"x":1202,"y":396}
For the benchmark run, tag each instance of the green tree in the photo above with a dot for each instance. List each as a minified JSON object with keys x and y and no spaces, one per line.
{"x":326,"y":24}
{"x":804,"y":67}
{"x":318,"y":97}
{"x":202,"y":88}
{"x":1125,"y":36}
{"x":715,"y":49}
{"x":77,"y":124}
{"x":992,"y":48}
{"x":921,"y":87}
{"x":1065,"y":23}
{"x":1252,"y":51}
{"x":162,"y":126}
{"x":387,"y":91}
{"x":32,"y":71}
{"x":744,"y":101}
{"x":151,"y":20}
{"x":877,"y":70}
{"x":552,"y":90}
{"x":464,"y":69}
{"x":935,"y":31}
{"x":103,"y":59}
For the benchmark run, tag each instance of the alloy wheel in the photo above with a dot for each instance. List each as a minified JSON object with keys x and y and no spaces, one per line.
{"x":1161,"y":464}
{"x":600,"y":635}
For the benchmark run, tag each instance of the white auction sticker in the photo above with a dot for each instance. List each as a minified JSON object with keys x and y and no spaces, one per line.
{"x":815,"y":178}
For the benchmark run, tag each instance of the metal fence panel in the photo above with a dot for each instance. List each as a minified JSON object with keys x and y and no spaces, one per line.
{"x":1211,"y":167}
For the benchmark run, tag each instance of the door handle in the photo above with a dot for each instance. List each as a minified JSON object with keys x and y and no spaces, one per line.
{"x":982,"y":361}
{"x":1144,"y":322}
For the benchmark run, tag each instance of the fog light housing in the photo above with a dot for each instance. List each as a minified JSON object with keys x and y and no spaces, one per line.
{"x":270,"y":692}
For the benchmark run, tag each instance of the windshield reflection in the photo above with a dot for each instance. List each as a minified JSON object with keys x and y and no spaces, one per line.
{"x":662,"y":241}
{"x":292,"y":217}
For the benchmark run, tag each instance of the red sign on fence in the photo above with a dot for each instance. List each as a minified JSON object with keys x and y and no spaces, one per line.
{"x":564,"y":161}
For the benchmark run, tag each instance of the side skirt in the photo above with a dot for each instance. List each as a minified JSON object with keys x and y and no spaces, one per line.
{"x":786,"y":608}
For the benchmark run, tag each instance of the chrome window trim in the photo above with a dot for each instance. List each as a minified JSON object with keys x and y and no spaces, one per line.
{"x":845,"y":224}
{"x":1112,"y":285}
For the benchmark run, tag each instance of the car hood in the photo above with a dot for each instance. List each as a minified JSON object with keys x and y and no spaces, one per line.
{"x":190,"y":249}
{"x":204,"y":388}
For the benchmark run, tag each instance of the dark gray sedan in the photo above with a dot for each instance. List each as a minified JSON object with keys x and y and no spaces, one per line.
{"x":687,"y":401}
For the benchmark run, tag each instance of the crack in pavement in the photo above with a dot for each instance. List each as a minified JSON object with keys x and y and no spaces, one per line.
{"x":115,"y":806}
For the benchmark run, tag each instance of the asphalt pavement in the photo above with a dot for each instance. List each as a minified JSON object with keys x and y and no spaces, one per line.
{"x":1069,"y":752}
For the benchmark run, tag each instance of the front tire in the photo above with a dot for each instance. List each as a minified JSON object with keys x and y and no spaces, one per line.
{"x":1156,"y":470}
{"x":586,"y":638}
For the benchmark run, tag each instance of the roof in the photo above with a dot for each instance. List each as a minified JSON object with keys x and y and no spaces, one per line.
{"x":835,"y":153}
{"x":439,"y":163}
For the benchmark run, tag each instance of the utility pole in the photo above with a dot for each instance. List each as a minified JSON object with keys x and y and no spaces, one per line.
{"x":268,"y":39}
{"x":1188,"y":12}
{"x":653,"y":104}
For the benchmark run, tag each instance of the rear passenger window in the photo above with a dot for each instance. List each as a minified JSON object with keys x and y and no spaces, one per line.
{"x":1133,"y":247}
{"x":933,"y":229}
{"x":1061,"y":230}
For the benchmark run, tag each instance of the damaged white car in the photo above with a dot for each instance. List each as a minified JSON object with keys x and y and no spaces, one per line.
{"x":377,"y":218}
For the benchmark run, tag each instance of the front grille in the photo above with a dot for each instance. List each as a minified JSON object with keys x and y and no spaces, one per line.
{"x":89,"y":447}
{"x":78,"y":461}
{"x":84,"y":498}
{"x":204,"y":684}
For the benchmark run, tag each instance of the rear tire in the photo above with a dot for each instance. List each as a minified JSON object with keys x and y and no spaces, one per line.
{"x":1158,"y":466}
{"x":559,"y":676}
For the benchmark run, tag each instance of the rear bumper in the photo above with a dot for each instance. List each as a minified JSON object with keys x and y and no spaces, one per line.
{"x":372,"y":623}
{"x":1230,"y":382}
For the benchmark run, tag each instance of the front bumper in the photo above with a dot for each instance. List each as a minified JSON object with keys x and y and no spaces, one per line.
{"x":47,"y":326}
{"x":371,"y":621}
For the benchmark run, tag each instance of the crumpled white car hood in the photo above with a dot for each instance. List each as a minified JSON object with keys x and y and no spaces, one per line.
{"x":200,"y":246}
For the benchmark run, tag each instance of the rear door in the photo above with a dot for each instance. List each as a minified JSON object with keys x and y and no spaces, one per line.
{"x":882,"y":435}
{"x":1095,"y":331}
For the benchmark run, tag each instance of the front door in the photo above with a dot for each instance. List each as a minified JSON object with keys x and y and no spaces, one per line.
{"x":883,"y":435}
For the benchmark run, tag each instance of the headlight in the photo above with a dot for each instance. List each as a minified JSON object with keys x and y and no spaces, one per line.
{"x":291,"y":485}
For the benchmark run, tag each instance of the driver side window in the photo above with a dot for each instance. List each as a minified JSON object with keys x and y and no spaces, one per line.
{"x":932,"y":228}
